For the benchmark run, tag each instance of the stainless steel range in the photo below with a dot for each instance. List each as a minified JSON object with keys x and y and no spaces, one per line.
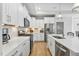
{"x":61,"y":50}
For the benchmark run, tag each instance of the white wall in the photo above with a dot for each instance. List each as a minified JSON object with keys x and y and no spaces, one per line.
{"x":75,"y":21}
{"x":67,"y":25}
{"x":67,"y":19}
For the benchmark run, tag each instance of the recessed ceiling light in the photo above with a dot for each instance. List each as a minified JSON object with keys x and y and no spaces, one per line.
{"x":59,"y":15}
{"x":39,"y":8}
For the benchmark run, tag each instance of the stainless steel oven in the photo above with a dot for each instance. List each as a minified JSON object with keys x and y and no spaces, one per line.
{"x":61,"y":50}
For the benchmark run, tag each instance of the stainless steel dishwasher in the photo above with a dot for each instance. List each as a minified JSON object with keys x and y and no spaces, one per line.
{"x":61,"y":50}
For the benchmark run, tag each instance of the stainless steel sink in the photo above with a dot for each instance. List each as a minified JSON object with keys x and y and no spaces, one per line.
{"x":58,"y":37}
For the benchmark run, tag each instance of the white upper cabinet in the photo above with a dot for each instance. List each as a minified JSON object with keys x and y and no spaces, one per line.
{"x":48,"y":19}
{"x":32,"y":22}
{"x":75,"y":22}
{"x":25,"y":12}
{"x":9,"y":14}
{"x":5,"y":14}
{"x":20,"y":15}
{"x":13,"y":13}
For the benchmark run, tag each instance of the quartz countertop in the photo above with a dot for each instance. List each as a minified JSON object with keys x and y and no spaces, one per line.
{"x":70,"y":43}
{"x":13,"y":43}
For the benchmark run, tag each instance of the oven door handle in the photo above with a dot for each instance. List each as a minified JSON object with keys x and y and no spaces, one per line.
{"x":61,"y":48}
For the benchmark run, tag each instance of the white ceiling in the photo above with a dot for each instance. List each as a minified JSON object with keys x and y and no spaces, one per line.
{"x":37,"y":9}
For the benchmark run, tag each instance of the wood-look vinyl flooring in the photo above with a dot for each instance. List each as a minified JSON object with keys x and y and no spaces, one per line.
{"x":40,"y":49}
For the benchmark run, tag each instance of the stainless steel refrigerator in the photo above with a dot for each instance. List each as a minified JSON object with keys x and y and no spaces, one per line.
{"x":48,"y":29}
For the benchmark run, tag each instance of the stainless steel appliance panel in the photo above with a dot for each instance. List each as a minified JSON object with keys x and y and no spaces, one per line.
{"x":61,"y":50}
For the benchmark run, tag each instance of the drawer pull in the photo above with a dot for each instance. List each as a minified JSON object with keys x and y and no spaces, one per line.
{"x":24,"y":44}
{"x":15,"y":53}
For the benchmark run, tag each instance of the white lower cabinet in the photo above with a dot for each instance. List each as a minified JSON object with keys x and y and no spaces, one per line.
{"x":41,"y":36}
{"x":26,"y":48}
{"x":38,"y":37}
{"x":0,"y":51}
{"x":52,"y":42}
{"x":22,"y":50}
{"x":48,"y":42}
{"x":51,"y":45}
{"x":15,"y":52}
{"x":35,"y":37}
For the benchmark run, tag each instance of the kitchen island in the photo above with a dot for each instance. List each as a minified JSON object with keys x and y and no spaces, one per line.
{"x":71,"y":43}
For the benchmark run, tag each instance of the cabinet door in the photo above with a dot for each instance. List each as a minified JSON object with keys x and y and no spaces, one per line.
{"x":0,"y":36}
{"x":40,"y":23}
{"x":46,"y":20}
{"x":52,"y":47}
{"x":13,"y":52}
{"x":6,"y":18}
{"x":40,"y":36}
{"x":25,"y":12}
{"x":32,"y":22}
{"x":20,"y":50}
{"x":10,"y":13}
{"x":26,"y":48}
{"x":0,"y":42}
{"x":13,"y":12}
{"x":35,"y":37}
{"x":48,"y":42}
{"x":51,"y":20}
{"x":20,"y":15}
{"x":0,"y":50}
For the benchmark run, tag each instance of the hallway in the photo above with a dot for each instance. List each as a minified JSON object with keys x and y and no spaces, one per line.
{"x":40,"y":49}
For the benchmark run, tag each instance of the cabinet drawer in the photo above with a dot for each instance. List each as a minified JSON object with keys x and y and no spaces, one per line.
{"x":12,"y":53}
{"x":26,"y":48}
{"x":21,"y":50}
{"x":16,"y":51}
